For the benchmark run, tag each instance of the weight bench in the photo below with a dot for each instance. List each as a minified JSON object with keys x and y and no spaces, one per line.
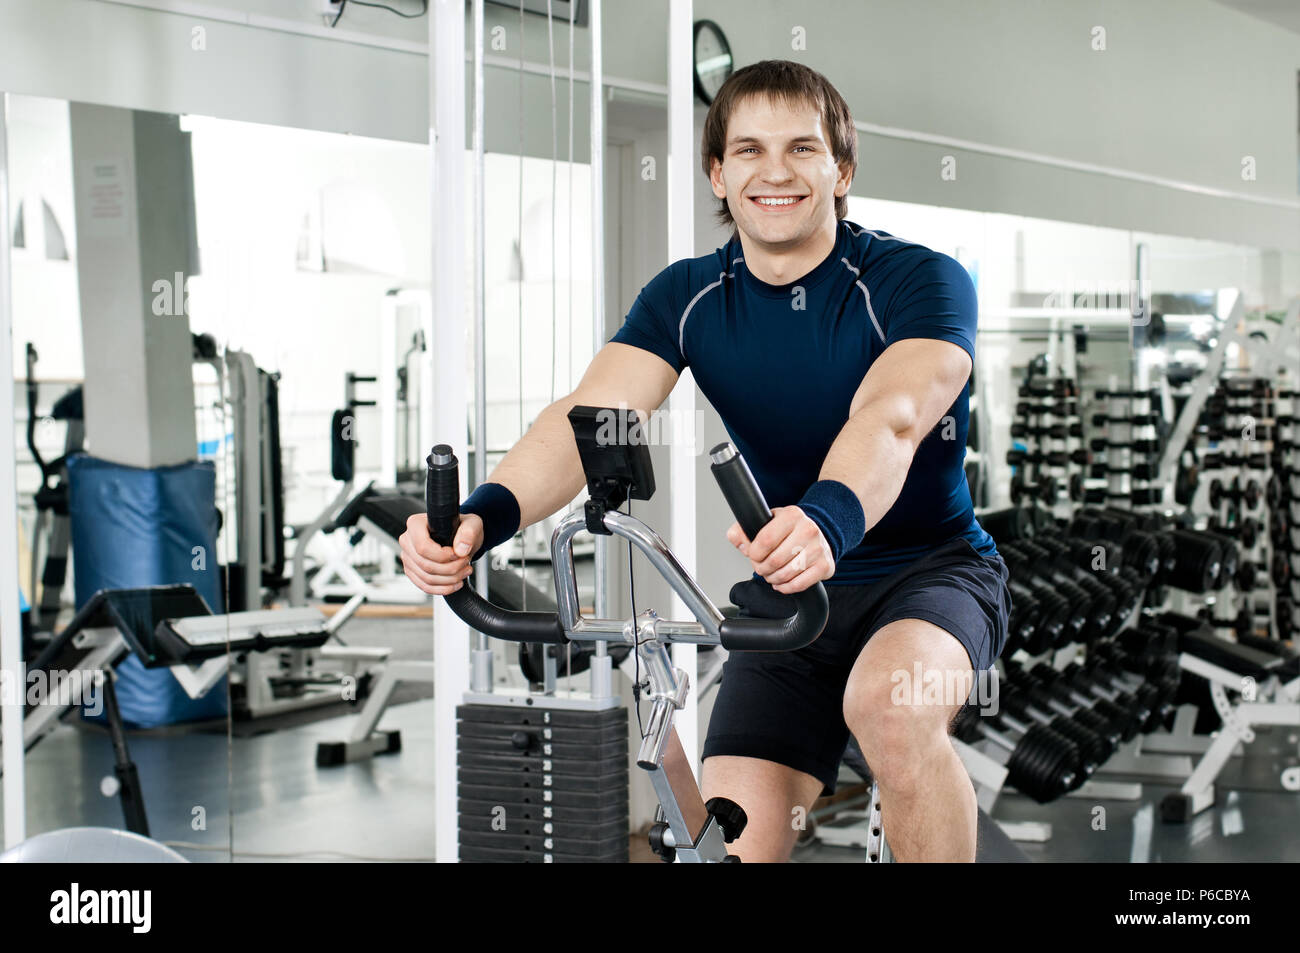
{"x":164,"y":627}
{"x":1268,"y":693}
{"x":371,"y":512}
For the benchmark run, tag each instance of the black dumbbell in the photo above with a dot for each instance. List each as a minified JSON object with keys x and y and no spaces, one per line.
{"x":1246,"y":531}
{"x":1093,"y":676}
{"x":1280,"y":569}
{"x":1029,"y":709}
{"x":1052,"y":610}
{"x":1149,"y":394}
{"x":1052,"y":699}
{"x":1279,"y":528}
{"x":1027,"y":409}
{"x":1133,"y":420}
{"x":1220,"y":406}
{"x":1221,"y":461}
{"x":1121,"y":721}
{"x":1218,"y":431}
{"x":1041,"y":763}
{"x":1051,"y":458}
{"x":1147,"y":445}
{"x":1049,"y":387}
{"x":1251,"y":493}
{"x":1246,"y":387}
{"x":1051,"y":431}
{"x":1139,"y":471}
{"x":1033,"y":565}
{"x":1156,"y":672}
{"x":1247,"y":576}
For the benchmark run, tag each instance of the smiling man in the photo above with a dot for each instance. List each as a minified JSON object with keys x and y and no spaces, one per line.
{"x":838,"y":359}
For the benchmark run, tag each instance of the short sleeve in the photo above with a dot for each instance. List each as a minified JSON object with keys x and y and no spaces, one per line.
{"x":649,"y":324}
{"x":936,"y":300}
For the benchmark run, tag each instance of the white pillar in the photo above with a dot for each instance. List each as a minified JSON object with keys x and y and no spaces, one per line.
{"x":681,"y":244}
{"x":133,"y":192}
{"x":11,"y":662}
{"x":447,"y":367}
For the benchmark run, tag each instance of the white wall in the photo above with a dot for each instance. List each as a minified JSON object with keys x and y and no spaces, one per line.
{"x":1184,"y":90}
{"x":44,"y":296}
{"x":368,"y":76}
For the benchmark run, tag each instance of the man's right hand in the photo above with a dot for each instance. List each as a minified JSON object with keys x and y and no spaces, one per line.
{"x":439,"y":570}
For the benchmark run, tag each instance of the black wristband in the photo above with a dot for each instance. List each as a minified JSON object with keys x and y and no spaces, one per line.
{"x":838,"y":514}
{"x":497,"y":507}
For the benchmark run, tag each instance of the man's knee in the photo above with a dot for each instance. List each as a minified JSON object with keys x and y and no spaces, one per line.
{"x":889,"y":731}
{"x":900,"y":716}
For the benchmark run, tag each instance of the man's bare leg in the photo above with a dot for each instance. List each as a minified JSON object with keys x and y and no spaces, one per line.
{"x":769,"y":793}
{"x":927,"y":802}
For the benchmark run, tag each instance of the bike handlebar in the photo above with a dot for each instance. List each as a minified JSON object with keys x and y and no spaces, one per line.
{"x":442,"y":491}
{"x":442,"y":505}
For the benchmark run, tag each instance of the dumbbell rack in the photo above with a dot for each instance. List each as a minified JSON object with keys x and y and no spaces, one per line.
{"x":1164,"y":755}
{"x":1241,"y":510}
{"x":1048,"y":541}
{"x":1128,"y":480}
{"x":1154,"y":556}
{"x":1049,"y":466}
{"x":1284,"y":525}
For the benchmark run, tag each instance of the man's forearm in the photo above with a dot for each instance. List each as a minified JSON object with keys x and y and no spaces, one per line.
{"x":871,"y":456}
{"x":543,"y":470}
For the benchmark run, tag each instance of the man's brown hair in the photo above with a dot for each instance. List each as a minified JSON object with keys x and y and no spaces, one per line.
{"x":791,"y":84}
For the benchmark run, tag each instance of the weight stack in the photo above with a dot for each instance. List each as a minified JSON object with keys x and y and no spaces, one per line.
{"x":542,"y":785}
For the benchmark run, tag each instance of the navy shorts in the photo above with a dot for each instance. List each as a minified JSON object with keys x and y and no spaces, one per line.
{"x":788,"y":707}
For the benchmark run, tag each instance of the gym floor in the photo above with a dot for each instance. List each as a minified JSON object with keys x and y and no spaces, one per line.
{"x":262,"y":798}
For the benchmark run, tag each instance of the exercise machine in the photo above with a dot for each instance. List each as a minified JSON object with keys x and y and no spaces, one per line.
{"x":494,"y":748}
{"x":344,"y":522}
{"x":258,"y":566}
{"x":383,"y":516}
{"x":51,"y":499}
{"x":688,"y":828}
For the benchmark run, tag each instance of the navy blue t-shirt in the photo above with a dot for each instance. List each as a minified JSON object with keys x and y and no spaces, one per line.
{"x":781,"y":363}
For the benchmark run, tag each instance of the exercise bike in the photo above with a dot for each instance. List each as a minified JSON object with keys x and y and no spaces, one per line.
{"x":689,"y":829}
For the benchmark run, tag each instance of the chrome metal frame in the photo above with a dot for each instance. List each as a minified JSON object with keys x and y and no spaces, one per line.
{"x":693,"y":833}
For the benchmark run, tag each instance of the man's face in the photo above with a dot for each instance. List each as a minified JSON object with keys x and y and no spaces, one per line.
{"x":778,"y":153}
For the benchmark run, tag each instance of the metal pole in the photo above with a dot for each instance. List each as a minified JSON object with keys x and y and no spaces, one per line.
{"x":681,"y":244}
{"x":1139,"y":304}
{"x":601,"y":666}
{"x":481,"y":658}
{"x":446,"y":346}
{"x":11,"y":660}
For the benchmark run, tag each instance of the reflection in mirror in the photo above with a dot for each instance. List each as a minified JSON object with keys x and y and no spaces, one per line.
{"x":1221,"y":359}
{"x":125,"y":721}
{"x":1055,"y":308}
{"x":255,"y":411}
{"x":314,"y":302}
{"x":1127,"y":370}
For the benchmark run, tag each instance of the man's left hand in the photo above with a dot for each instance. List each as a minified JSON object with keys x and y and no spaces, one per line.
{"x":790,"y":552}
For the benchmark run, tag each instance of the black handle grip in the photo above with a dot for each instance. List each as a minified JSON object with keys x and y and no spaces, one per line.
{"x":441,"y":500}
{"x":442,"y":495}
{"x":740,"y":489}
{"x":752,"y":513}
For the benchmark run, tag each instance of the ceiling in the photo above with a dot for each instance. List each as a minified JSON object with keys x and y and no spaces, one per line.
{"x":1283,"y":13}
